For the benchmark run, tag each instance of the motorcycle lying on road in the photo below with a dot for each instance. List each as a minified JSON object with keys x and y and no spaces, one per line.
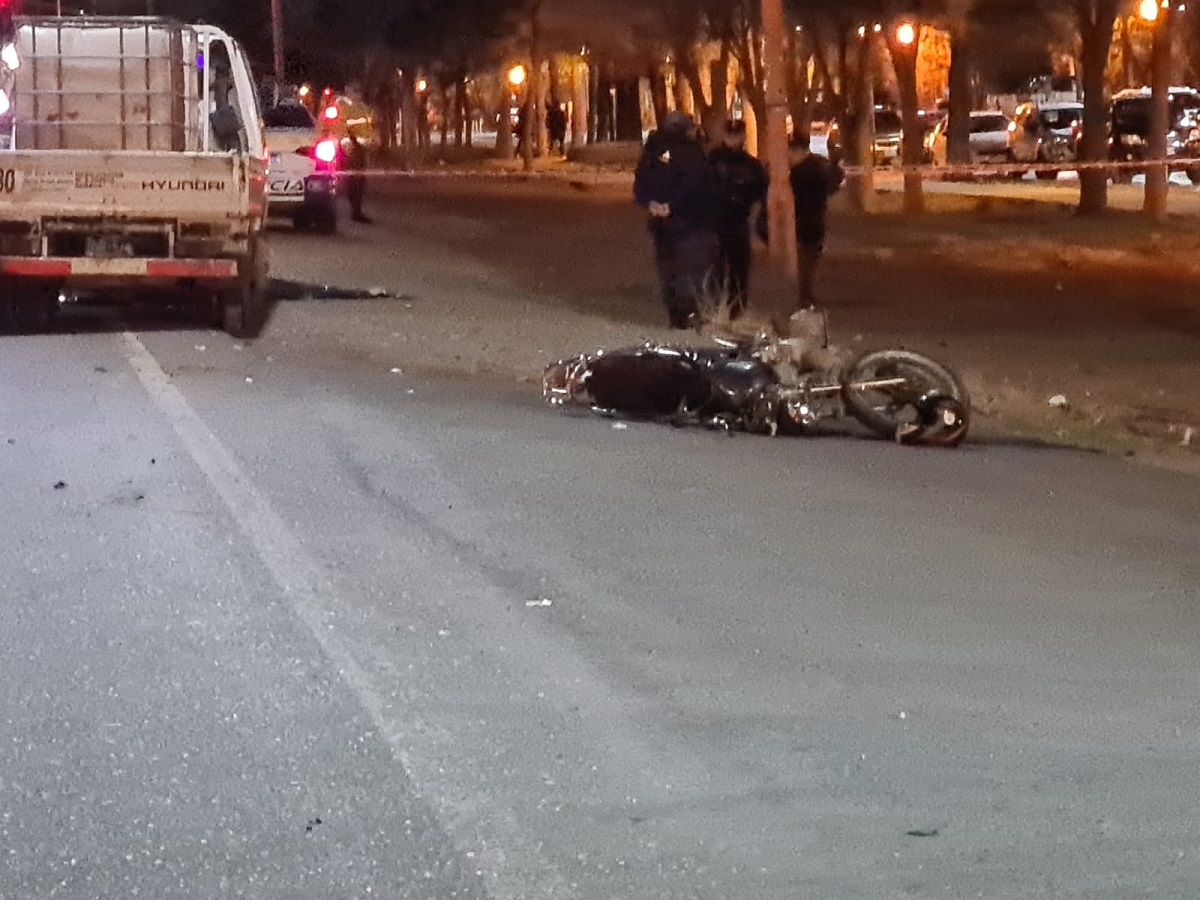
{"x":770,"y":383}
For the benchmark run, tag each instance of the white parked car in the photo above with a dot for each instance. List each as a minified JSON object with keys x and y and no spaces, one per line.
{"x":988,"y":140}
{"x":302,"y":177}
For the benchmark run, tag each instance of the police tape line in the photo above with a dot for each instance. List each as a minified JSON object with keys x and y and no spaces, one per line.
{"x":1011,"y":168}
{"x":934,"y":172}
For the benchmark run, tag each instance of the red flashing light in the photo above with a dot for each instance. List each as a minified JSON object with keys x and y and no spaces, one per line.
{"x":326,"y":151}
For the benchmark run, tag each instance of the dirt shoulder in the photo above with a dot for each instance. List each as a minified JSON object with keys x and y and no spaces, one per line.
{"x":1030,"y":302}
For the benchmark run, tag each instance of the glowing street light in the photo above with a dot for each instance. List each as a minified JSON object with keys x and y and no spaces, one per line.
{"x":422,"y":86}
{"x":1148,"y":10}
{"x":906,"y":34}
{"x":517,"y":75}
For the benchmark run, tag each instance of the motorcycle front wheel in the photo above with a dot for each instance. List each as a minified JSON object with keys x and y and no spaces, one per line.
{"x":908,"y":397}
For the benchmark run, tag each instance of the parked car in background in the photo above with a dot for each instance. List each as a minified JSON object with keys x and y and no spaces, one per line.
{"x":1045,"y":133}
{"x":889,"y":133}
{"x":302,"y":174}
{"x":1129,"y":129}
{"x":988,"y":139}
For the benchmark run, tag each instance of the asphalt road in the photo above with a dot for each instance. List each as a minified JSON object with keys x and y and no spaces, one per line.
{"x":281,"y":623}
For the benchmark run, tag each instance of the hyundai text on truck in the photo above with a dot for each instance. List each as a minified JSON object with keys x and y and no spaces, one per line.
{"x":132,"y":166}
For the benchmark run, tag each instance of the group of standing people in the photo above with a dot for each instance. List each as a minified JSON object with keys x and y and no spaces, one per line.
{"x":703,"y":207}
{"x":556,"y":128}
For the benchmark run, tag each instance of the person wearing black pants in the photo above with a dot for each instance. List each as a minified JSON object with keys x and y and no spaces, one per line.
{"x":676,"y":186}
{"x":814,"y":179}
{"x":356,"y":183}
{"x":743,"y":183}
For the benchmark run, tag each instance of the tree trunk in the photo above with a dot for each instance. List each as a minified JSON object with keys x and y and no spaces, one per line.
{"x":460,"y":104}
{"x":409,"y":110}
{"x":445,"y":114}
{"x":423,"y":133}
{"x":1155,"y":197}
{"x":863,"y":184}
{"x":604,"y":104}
{"x":1096,"y":18}
{"x":504,"y":147}
{"x":629,"y":110}
{"x":468,"y":117}
{"x":554,"y":70}
{"x":701,"y":109}
{"x":543,"y":136}
{"x":958,"y":133}
{"x":580,"y":105}
{"x":593,"y":89}
{"x":682,"y":89}
{"x":904,"y":60}
{"x":658,"y":90}
{"x":717,"y":112}
{"x":781,"y":213}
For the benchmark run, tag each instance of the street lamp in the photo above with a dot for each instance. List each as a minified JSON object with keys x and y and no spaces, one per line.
{"x":906,"y":33}
{"x":517,"y":75}
{"x":1148,"y":10}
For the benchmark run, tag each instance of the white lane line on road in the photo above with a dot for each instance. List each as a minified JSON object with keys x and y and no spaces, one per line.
{"x":311,"y":594}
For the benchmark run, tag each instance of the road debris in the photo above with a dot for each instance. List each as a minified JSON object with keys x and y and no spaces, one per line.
{"x":540,"y":601}
{"x":59,"y":485}
{"x":1059,"y":401}
{"x":922,"y":832}
{"x":620,"y":426}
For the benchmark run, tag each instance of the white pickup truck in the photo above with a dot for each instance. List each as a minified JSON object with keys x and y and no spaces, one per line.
{"x":132,"y":165}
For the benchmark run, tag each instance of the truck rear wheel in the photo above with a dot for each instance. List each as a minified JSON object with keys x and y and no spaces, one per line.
{"x":244,"y":304}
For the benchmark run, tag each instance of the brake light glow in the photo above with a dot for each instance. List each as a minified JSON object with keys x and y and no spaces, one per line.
{"x":326,"y":151}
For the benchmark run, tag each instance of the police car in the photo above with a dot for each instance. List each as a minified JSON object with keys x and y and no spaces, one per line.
{"x":302,"y":176}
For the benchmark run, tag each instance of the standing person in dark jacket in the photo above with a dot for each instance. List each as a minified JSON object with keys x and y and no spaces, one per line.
{"x":676,"y":186}
{"x":356,"y":182}
{"x":814,"y":179}
{"x":743,"y":182}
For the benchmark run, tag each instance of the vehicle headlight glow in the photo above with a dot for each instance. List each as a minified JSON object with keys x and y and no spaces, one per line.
{"x":10,"y":57}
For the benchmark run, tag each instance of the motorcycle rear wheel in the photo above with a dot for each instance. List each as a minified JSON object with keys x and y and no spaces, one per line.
{"x":903,"y":412}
